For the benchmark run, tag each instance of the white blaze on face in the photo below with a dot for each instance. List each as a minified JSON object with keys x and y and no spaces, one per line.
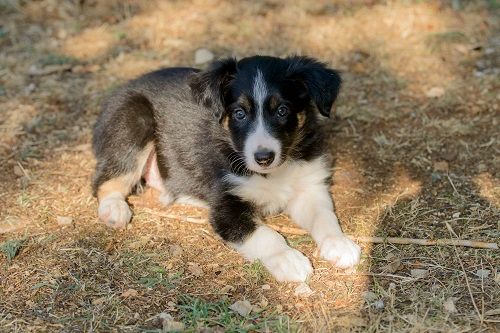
{"x":260,"y":138}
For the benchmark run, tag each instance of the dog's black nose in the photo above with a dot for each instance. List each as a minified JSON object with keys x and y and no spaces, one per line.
{"x":264,"y":157}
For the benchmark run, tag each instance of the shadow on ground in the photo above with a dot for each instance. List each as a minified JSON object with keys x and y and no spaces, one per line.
{"x":414,"y":141}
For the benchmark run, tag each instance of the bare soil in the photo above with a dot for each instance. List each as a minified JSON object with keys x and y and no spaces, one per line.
{"x":415,"y":141}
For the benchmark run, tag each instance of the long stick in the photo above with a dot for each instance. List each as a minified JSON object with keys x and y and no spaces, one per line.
{"x":403,"y":241}
{"x":364,"y":239}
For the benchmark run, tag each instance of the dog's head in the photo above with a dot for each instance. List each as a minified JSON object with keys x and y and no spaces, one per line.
{"x":267,"y":104}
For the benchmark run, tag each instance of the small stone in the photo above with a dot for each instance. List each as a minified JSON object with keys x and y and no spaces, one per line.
{"x":243,"y":308}
{"x":303,"y":290}
{"x":266,"y":287}
{"x":483,"y":273}
{"x":202,"y":56}
{"x":379,"y":304}
{"x":419,"y":273}
{"x":435,"y":92}
{"x":130,"y":293}
{"x":456,"y":215}
{"x":64,"y":220}
{"x":449,"y":305}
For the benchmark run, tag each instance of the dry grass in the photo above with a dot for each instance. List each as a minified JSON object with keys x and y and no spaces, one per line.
{"x":407,"y":165}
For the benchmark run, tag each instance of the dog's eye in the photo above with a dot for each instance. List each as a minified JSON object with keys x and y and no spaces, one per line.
{"x":239,"y":114}
{"x":283,"y":111}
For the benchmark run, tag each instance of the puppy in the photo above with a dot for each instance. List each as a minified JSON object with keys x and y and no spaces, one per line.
{"x":241,"y":137}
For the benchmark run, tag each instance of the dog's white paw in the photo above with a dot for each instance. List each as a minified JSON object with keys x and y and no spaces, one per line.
{"x":115,"y":212}
{"x":289,"y":265}
{"x":340,"y":251}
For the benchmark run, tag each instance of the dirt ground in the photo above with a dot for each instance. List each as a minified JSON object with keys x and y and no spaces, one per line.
{"x":415,"y":139}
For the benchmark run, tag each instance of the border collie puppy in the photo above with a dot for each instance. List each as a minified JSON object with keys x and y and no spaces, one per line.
{"x":241,"y":137}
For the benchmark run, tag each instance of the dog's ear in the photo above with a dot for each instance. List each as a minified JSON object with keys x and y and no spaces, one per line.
{"x":209,"y":87}
{"x":322,"y":84}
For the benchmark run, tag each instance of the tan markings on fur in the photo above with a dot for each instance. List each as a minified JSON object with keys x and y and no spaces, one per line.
{"x":123,"y":184}
{"x":301,"y":117}
{"x":245,"y":102}
{"x":274,"y":102}
{"x":225,"y":122}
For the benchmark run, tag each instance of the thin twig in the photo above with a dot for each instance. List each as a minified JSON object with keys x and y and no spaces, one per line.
{"x":364,"y":239}
{"x":399,"y":240}
{"x":177,"y":217}
{"x":452,"y":232}
{"x":452,"y":185}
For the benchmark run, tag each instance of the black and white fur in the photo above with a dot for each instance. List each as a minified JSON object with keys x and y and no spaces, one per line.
{"x":241,"y":137}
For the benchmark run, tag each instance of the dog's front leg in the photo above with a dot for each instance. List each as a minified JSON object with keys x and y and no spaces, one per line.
{"x":313,"y":210}
{"x":238,"y":224}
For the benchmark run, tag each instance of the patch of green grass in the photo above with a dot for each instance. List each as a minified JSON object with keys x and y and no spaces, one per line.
{"x":11,"y":248}
{"x":121,"y":35}
{"x":295,"y":241}
{"x":439,"y":40}
{"x":24,"y":200}
{"x":255,"y":271}
{"x":198,"y":314}
{"x":56,"y":59}
{"x":158,"y":277}
{"x":494,"y":4}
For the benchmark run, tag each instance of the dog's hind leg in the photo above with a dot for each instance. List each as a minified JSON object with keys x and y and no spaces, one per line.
{"x":111,"y":194}
{"x":123,"y":142}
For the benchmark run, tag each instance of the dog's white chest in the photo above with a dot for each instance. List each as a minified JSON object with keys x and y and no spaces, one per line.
{"x":273,"y":192}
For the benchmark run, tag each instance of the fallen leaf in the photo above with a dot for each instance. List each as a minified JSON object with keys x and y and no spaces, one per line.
{"x":18,"y":171}
{"x":370,"y":296}
{"x":99,"y":300}
{"x":392,"y":266}
{"x":195,"y":269}
{"x":169,"y":324}
{"x":435,"y":92}
{"x":493,"y":312}
{"x":243,"y":308}
{"x":419,"y":273}
{"x":442,"y":166}
{"x":175,"y":250}
{"x":263,"y":302}
{"x":64,"y":220}
{"x":483,"y":273}
{"x":303,"y":290}
{"x":227,"y":289}
{"x":449,"y":305}
{"x":130,"y":293}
